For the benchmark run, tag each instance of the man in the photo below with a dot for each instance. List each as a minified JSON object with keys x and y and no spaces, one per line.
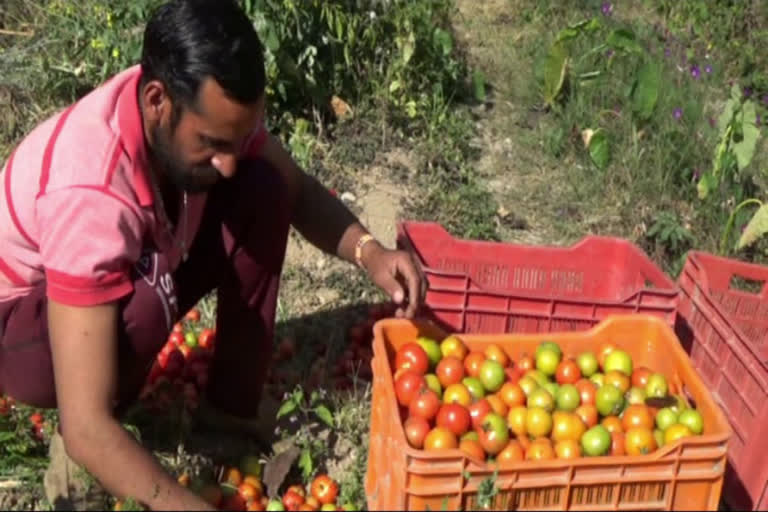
{"x":118,"y":214}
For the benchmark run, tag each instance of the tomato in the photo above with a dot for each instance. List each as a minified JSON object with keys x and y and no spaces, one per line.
{"x":425,"y":404}
{"x":471,"y":435}
{"x":639,"y":441}
{"x":656,"y":387}
{"x":308,"y":508}
{"x":274,"y":504}
{"x":211,"y":493}
{"x":255,"y":483}
{"x":640,"y":376}
{"x":497,"y":404}
{"x":605,"y":349}
{"x":407,"y":386}
{"x":525,"y":363}
{"x":450,"y":370}
{"x":455,"y":418}
{"x":612,"y":424}
{"x":494,"y":433}
{"x":528,"y":385}
{"x":413,"y":357}
{"x":312,"y":502}
{"x":478,"y":410}
{"x":472,"y":448}
{"x":453,"y":347}
{"x":587,"y":391}
{"x":588,"y":414}
{"x":433,"y":383}
{"x":517,"y":419}
{"x":513,"y":374}
{"x":609,"y":401}
{"x":176,"y":338}
{"x":637,"y":416}
{"x":675,"y":432}
{"x":249,"y":492}
{"x":233,"y":477}
{"x":178,"y":327}
{"x":492,"y":375}
{"x":190,"y":338}
{"x":512,"y":394}
{"x":549,"y":345}
{"x":567,"y":426}
{"x":511,"y":454}
{"x":568,"y":397}
{"x":324,"y":489}
{"x":440,"y":438}
{"x":207,"y":338}
{"x":538,"y":422}
{"x":292,"y":500}
{"x":457,"y":393}
{"x":596,"y":441}
{"x":186,"y":351}
{"x":235,"y":502}
{"x":432,"y":349}
{"x":598,"y":379}
{"x":618,"y":380}
{"x":617,"y":444}
{"x":692,"y":419}
{"x":587,"y":363}
{"x":496,"y":353}
{"x":568,"y":449}
{"x":618,"y":360}
{"x":416,"y":429}
{"x":540,"y":449}
{"x":567,"y":372}
{"x":472,"y":363}
{"x":665,"y":418}
{"x":636,"y":396}
{"x":475,"y":387}
{"x":193,"y":315}
{"x":542,"y":399}
{"x":547,"y":361}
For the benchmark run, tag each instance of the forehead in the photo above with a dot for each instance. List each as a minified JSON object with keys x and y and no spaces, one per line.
{"x":217,"y":112}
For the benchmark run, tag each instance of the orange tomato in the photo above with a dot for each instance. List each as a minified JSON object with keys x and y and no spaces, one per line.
{"x":637,"y":416}
{"x":511,"y":453}
{"x":457,"y":394}
{"x":516,"y":421}
{"x":675,"y":432}
{"x":568,"y":449}
{"x":567,"y":372}
{"x":612,"y":424}
{"x":233,"y":477}
{"x":605,"y":349}
{"x":567,"y":427}
{"x":472,"y":448}
{"x":639,"y":441}
{"x":498,"y":405}
{"x":640,"y":376}
{"x":248,"y":492}
{"x":255,"y":482}
{"x":587,"y":391}
{"x":617,"y":379}
{"x":617,"y":444}
{"x":538,"y":422}
{"x":440,"y":439}
{"x":526,"y":363}
{"x":540,"y":449}
{"x":588,"y":414}
{"x":496,"y":353}
{"x":472,"y":363}
{"x":512,"y":395}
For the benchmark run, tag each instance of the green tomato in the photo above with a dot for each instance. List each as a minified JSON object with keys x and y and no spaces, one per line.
{"x":596,"y":441}
{"x":636,"y":396}
{"x":656,"y":387}
{"x":547,"y":360}
{"x":665,"y":418}
{"x":328,"y":506}
{"x":528,"y":385}
{"x":542,"y":399}
{"x":475,"y":387}
{"x":692,"y":419}
{"x":275,"y":505}
{"x":568,"y":397}
{"x":618,"y":360}
{"x":609,"y":401}
{"x":433,"y":383}
{"x":492,"y":375}
{"x":432,"y":348}
{"x":349,"y":506}
{"x":190,"y":338}
{"x":536,"y":375}
{"x":552,"y":387}
{"x":471,"y":435}
{"x":549,"y":345}
{"x":658,"y":435}
{"x":598,"y":379}
{"x":587,"y":363}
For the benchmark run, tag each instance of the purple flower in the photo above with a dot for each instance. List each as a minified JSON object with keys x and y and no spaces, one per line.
{"x":765,"y":99}
{"x":607,"y":8}
{"x":708,"y":69}
{"x":678,"y":113}
{"x":757,"y":120}
{"x":695,"y":73}
{"x":609,"y":53}
{"x":667,"y":52}
{"x":747,"y":92}
{"x":696,"y":174}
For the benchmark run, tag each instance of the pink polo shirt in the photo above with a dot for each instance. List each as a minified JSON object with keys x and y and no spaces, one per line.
{"x":76,"y":201}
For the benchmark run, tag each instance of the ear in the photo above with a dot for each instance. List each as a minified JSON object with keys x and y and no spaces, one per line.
{"x":156,"y":102}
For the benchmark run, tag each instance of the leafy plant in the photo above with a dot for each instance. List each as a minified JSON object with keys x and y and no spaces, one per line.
{"x":487,"y":491}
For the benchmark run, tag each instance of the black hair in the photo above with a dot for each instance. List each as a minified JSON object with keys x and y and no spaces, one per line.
{"x":187,"y":41}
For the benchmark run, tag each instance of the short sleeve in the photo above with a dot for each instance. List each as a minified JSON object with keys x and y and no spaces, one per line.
{"x":255,"y":142}
{"x":89,"y":239}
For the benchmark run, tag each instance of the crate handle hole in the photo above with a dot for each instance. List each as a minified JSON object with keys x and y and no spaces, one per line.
{"x":744,"y":284}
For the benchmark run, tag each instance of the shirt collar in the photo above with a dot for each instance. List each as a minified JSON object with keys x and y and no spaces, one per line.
{"x":132,"y":136}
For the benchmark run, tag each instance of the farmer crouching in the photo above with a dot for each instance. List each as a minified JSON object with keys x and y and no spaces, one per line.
{"x":120,"y":212}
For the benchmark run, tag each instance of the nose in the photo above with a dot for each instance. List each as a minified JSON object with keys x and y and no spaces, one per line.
{"x":226,"y":164}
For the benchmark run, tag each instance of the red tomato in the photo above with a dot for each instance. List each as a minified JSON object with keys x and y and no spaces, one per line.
{"x":526,"y":363}
{"x":248,"y":492}
{"x":514,"y":374}
{"x":178,"y":327}
{"x":324,"y":489}
{"x":478,"y":410}
{"x":425,"y":404}
{"x":36,"y":418}
{"x":567,"y":372}
{"x":416,"y":430}
{"x":587,"y":391}
{"x":193,"y":315}
{"x":473,"y":362}
{"x":408,"y":385}
{"x":206,"y":338}
{"x":233,"y":477}
{"x":640,"y":376}
{"x":454,"y":417}
{"x":511,"y":454}
{"x":413,"y":357}
{"x":439,"y":439}
{"x":617,"y":444}
{"x":450,"y":370}
{"x":637,"y":416}
{"x":176,"y":338}
{"x":472,"y":448}
{"x":292,"y":500}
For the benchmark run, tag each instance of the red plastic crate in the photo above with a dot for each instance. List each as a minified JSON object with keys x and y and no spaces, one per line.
{"x":725,"y":330}
{"x":489,"y":287}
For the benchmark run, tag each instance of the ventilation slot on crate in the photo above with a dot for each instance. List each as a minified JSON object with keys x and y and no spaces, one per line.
{"x":584,"y":495}
{"x":538,"y":499}
{"x":650,"y":493}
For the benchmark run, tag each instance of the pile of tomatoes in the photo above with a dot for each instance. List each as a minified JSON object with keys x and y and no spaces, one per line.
{"x":542,"y":406}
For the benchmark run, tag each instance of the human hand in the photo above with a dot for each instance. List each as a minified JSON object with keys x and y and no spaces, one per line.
{"x":397,"y":273}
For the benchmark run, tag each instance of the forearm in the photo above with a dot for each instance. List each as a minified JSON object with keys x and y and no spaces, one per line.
{"x":126,"y":469}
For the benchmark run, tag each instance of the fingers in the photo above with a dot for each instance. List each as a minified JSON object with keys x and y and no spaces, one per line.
{"x":408,"y":270}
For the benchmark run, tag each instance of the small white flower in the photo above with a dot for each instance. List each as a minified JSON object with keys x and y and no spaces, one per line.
{"x":372,"y":15}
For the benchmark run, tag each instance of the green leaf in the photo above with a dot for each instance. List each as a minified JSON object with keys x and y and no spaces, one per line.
{"x":567,"y":34}
{"x":727,"y":115}
{"x":287,"y":408}
{"x":646,"y":91}
{"x":478,"y":83}
{"x":593,"y":25}
{"x":443,"y":40}
{"x":756,"y":228}
{"x":623,"y":39}
{"x":555,"y":66}
{"x":745,"y":148}
{"x":6,"y":436}
{"x":599,"y":149}
{"x":324,"y":414}
{"x":706,"y":184}
{"x":408,"y":48}
{"x":305,"y":463}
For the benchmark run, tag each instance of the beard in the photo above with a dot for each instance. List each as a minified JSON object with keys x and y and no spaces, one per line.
{"x":193,"y":179}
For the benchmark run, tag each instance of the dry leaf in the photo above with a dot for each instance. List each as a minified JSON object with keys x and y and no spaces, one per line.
{"x":340,"y":107}
{"x":586,"y":136}
{"x":502,"y":212}
{"x":278,"y":467}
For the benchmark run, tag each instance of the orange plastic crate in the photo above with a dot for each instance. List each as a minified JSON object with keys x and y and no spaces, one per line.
{"x":683,"y":476}
{"x":490,"y":287}
{"x":725,"y":329}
